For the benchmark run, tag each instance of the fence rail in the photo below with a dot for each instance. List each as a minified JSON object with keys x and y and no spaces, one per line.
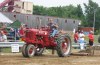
{"x":8,"y":44}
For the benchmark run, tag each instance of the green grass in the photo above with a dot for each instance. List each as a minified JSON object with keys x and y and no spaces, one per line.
{"x":7,"y":50}
{"x":96,"y":38}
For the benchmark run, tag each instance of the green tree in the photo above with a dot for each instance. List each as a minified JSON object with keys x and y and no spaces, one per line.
{"x":64,"y":11}
{"x":89,"y":12}
{"x":79,"y":12}
{"x":39,"y":10}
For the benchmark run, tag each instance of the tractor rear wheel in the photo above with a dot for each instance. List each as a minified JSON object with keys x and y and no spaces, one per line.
{"x":63,"y":45}
{"x":39,"y":51}
{"x":30,"y":50}
{"x":24,"y":49}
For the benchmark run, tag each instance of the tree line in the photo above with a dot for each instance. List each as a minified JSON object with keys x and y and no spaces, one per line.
{"x":87,"y":16}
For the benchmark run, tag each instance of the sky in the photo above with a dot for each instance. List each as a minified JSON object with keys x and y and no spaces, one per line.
{"x":54,"y":3}
{"x":50,"y":3}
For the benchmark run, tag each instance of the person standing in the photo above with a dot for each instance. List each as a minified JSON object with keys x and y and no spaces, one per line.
{"x":22,"y":32}
{"x":76,"y":37}
{"x":4,"y":37}
{"x":81,"y":40}
{"x":0,"y":37}
{"x":91,"y":38}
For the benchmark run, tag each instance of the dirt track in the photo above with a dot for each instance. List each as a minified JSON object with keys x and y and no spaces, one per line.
{"x":18,"y":59}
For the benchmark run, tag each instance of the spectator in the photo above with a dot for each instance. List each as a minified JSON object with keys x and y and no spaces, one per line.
{"x":22,"y":32}
{"x":3,"y":26}
{"x":4,"y":37}
{"x":23,"y":29}
{"x":91,"y":38}
{"x":76,"y":37}
{"x":17,"y":34}
{"x":11,"y":34}
{"x":0,"y":37}
{"x":26,"y":26}
{"x":53,"y":27}
{"x":81,"y":40}
{"x":14,"y":34}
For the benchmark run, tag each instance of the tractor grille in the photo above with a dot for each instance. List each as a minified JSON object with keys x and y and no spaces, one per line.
{"x":28,"y":35}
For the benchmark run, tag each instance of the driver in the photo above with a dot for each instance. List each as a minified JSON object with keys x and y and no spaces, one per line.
{"x":53,"y":27}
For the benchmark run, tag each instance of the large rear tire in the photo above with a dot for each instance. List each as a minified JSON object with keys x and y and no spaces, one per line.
{"x":24,"y":50}
{"x":63,"y":45}
{"x":30,"y":50}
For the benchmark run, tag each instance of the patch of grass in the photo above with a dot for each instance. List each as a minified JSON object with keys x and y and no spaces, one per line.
{"x":7,"y":50}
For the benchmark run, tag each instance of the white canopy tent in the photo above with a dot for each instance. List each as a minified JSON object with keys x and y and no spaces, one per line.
{"x":4,"y":19}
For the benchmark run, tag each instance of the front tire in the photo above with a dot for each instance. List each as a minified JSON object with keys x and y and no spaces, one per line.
{"x":63,"y":45}
{"x":24,"y":50}
{"x":30,"y":51}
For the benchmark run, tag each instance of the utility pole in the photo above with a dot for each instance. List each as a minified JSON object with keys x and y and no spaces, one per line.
{"x":94,"y":21}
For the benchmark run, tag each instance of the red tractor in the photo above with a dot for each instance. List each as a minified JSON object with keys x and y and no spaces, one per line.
{"x":38,"y":39}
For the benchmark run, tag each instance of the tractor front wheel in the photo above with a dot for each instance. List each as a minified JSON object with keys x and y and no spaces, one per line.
{"x":30,"y":50}
{"x":63,"y":45}
{"x":24,"y":50}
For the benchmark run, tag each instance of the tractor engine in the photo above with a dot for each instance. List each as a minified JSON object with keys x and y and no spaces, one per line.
{"x":33,"y":35}
{"x":40,"y":37}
